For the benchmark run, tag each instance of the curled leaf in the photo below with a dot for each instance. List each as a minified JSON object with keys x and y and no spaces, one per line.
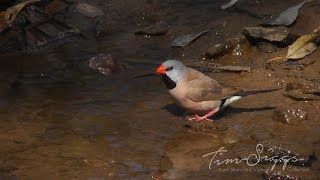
{"x":302,"y":47}
{"x":301,"y":42}
{"x":304,"y":51}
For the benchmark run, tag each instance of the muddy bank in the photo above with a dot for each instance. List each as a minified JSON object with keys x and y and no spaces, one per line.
{"x":60,"y":119}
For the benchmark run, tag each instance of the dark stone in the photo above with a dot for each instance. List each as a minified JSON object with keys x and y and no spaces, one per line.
{"x":277,"y":35}
{"x":217,"y":50}
{"x":299,"y":96}
{"x":105,"y":64}
{"x":221,"y":49}
{"x":294,"y":86}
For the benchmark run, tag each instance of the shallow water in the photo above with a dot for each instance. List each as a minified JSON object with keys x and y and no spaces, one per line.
{"x":62,"y":120}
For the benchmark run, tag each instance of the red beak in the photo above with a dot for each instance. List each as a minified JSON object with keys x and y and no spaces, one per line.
{"x":161,"y":70}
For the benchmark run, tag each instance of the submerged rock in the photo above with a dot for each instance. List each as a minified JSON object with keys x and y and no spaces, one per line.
{"x":304,"y":87}
{"x":218,"y":50}
{"x":276,"y":35}
{"x":232,"y":44}
{"x":201,"y":126}
{"x":294,"y":86}
{"x":206,"y":126}
{"x":89,"y":10}
{"x":303,"y":91}
{"x":299,"y":96}
{"x":267,"y":47}
{"x":105,"y":64}
{"x":288,"y":115}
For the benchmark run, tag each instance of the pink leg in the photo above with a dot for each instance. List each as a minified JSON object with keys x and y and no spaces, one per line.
{"x":205,"y":117}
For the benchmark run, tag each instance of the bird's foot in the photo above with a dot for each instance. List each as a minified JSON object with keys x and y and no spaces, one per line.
{"x":205,"y":117}
{"x":199,"y":118}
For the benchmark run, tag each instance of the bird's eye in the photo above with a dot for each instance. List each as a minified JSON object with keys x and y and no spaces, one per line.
{"x":169,"y":68}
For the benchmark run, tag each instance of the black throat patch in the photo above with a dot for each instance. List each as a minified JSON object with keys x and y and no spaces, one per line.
{"x":168,"y":82}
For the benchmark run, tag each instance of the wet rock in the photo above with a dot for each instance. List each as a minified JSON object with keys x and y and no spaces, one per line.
{"x":304,"y":87}
{"x":80,"y":21}
{"x":36,"y":27}
{"x":219,"y":50}
{"x":294,"y":86}
{"x":299,"y":96}
{"x":267,"y":47}
{"x":206,"y":126}
{"x":160,"y":28}
{"x":288,"y":115}
{"x":258,"y":33}
{"x":55,"y":6}
{"x":105,"y":64}
{"x":201,"y":126}
{"x":89,"y":10}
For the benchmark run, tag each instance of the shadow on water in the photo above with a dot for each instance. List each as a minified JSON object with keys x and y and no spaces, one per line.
{"x":180,"y":112}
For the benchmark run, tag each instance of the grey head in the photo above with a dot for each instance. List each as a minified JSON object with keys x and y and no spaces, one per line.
{"x":175,"y":69}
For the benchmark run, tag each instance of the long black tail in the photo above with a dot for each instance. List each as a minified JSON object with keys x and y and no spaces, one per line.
{"x":246,"y":93}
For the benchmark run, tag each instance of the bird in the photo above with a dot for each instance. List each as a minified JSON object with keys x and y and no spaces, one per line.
{"x":198,"y":93}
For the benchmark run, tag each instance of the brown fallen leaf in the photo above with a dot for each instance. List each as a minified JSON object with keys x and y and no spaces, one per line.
{"x":302,"y":42}
{"x":302,"y":47}
{"x":8,"y":16}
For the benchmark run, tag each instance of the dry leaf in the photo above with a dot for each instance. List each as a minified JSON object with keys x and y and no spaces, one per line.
{"x":304,"y":51}
{"x":301,"y":42}
{"x":302,"y":47}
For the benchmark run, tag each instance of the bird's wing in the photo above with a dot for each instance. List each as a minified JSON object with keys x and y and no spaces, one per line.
{"x":209,"y":90}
